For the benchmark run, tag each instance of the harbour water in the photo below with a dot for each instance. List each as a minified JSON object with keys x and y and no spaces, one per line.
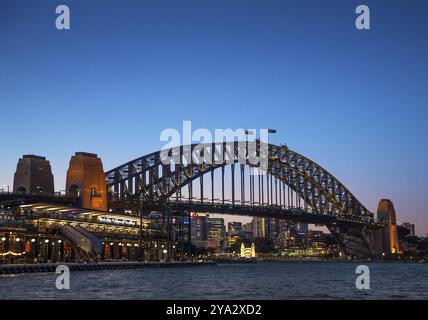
{"x":262,"y":280}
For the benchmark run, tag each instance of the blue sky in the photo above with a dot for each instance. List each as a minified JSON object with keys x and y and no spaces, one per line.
{"x":353,"y":101}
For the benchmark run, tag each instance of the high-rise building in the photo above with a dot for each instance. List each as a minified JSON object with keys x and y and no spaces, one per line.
{"x":199,"y":232}
{"x":33,"y":175}
{"x":258,"y":227}
{"x":274,"y":228}
{"x":208,"y":232}
{"x":386,"y":212}
{"x":216,"y":232}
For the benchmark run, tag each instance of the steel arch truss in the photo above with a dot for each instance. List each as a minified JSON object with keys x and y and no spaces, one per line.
{"x":161,"y":174}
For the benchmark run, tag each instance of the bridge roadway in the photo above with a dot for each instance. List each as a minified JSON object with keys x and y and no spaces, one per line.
{"x":272,"y":211}
{"x":218,"y":207}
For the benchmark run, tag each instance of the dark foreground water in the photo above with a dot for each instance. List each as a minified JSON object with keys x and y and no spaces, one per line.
{"x":297,"y":280}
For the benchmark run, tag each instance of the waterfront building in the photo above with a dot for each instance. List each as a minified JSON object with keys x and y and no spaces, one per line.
{"x":316,"y":241}
{"x":54,"y":233}
{"x":248,"y":252}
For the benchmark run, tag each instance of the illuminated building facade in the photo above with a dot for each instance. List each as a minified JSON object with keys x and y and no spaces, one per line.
{"x":386,"y":212}
{"x":208,"y":232}
{"x":86,"y":180}
{"x":55,"y":233}
{"x":216,"y":232}
{"x":248,"y":253}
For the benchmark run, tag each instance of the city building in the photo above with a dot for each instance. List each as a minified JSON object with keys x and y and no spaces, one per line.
{"x":258,"y":227}
{"x":248,"y":252}
{"x":208,"y":232}
{"x":316,"y":240}
{"x":199,"y":230}
{"x":216,"y":233}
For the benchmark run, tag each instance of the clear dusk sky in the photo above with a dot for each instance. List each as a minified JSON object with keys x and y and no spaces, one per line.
{"x":353,"y":101}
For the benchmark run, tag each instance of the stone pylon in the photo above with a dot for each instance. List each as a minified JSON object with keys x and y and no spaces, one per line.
{"x":86,"y":180}
{"x":386,"y":212}
{"x":33,"y":175}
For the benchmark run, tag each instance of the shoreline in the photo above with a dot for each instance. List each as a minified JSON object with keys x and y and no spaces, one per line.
{"x":51,"y":267}
{"x":98,"y":266}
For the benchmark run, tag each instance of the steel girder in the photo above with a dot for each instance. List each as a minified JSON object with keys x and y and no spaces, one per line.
{"x":151,"y":177}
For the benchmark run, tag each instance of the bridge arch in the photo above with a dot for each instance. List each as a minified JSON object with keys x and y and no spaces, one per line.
{"x":150,"y":177}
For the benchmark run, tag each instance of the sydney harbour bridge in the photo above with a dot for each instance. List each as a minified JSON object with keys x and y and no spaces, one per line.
{"x":222,"y":178}
{"x":291,"y":187}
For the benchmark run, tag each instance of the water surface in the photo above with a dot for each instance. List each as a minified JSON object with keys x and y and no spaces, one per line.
{"x":269,"y":280}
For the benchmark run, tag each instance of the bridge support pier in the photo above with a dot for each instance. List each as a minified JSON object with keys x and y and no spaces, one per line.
{"x":356,"y":241}
{"x":351,"y":240}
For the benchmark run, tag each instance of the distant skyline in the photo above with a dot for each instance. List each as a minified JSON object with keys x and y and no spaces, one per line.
{"x":353,"y":101}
